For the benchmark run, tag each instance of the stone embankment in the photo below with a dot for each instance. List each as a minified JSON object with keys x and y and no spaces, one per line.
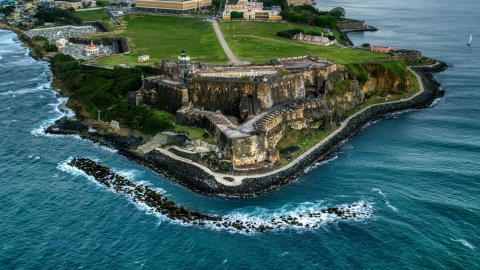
{"x":348,"y":41}
{"x":201,"y":181}
{"x":158,"y":203}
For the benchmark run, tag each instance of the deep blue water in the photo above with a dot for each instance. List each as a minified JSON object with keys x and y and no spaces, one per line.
{"x":419,"y":172}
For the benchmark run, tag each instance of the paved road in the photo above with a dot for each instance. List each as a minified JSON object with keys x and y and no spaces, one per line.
{"x":226,"y":49}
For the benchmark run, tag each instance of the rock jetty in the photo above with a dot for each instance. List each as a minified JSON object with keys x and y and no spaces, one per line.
{"x":161,"y":204}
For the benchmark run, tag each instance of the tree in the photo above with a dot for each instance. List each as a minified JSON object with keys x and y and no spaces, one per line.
{"x":71,"y":9}
{"x":332,"y":21}
{"x":366,"y":45}
{"x":7,"y":10}
{"x":133,"y":5}
{"x":322,"y":21}
{"x":101,"y":4}
{"x":338,"y":12}
{"x":296,"y":18}
{"x":236,"y":15}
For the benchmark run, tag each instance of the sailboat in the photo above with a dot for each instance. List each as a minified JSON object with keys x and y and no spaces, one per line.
{"x":470,"y":41}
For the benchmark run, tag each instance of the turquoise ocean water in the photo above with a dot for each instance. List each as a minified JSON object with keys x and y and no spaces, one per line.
{"x":418,"y":171}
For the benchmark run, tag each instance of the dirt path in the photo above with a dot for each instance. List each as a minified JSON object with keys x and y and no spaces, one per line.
{"x":226,"y":49}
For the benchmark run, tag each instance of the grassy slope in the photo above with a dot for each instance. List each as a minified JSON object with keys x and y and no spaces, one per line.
{"x":165,"y":38}
{"x":257,"y":42}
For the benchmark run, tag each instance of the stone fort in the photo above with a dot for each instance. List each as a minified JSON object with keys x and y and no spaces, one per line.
{"x":247,"y":109}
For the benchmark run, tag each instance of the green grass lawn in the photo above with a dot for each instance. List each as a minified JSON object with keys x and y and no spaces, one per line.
{"x":92,"y":15}
{"x":164,"y":38}
{"x":257,"y":42}
{"x":304,"y":139}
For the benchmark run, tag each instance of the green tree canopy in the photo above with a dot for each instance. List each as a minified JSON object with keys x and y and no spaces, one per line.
{"x":338,"y":12}
{"x":236,"y":15}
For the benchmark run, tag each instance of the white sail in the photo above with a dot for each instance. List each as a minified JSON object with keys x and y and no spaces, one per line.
{"x":470,"y":41}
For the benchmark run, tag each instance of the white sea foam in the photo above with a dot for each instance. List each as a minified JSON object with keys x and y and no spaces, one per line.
{"x":464,"y":242}
{"x":284,"y":253}
{"x":323,"y":162}
{"x":308,"y":214}
{"x":22,"y":91}
{"x":59,"y":110}
{"x":64,"y":167}
{"x":303,"y":216}
{"x":380,"y":192}
{"x":130,"y":174}
{"x":437,"y":101}
{"x":386,"y":201}
{"x":391,"y":206}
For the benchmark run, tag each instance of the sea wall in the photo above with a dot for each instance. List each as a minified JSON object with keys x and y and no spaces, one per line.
{"x":351,"y":25}
{"x":348,"y":41}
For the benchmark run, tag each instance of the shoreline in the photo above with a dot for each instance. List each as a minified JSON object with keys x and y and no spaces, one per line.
{"x":35,"y":50}
{"x":202,"y":180}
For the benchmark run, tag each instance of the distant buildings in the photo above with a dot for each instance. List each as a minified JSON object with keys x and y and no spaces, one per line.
{"x":320,"y":40}
{"x":381,"y":49}
{"x":179,"y":5}
{"x":250,"y":11}
{"x":77,"y":4}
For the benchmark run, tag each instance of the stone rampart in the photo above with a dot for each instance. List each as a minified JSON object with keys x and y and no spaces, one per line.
{"x":411,"y":55}
{"x":169,"y":97}
{"x":351,"y":25}
{"x":225,"y":95}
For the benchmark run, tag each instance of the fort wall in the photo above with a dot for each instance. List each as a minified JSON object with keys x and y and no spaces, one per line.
{"x":225,"y":94}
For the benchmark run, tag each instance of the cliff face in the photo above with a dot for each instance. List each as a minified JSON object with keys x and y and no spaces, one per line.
{"x":381,"y":79}
{"x":347,"y":97}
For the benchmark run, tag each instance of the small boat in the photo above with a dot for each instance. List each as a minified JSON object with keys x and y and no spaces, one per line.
{"x":470,"y":41}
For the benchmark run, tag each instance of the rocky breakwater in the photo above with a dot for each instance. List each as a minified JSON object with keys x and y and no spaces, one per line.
{"x":158,"y":203}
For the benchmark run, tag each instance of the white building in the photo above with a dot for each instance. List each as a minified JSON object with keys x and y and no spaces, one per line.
{"x":143,"y":58}
{"x":91,"y":49}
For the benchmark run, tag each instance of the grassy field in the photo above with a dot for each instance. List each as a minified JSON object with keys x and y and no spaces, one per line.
{"x":157,"y":118}
{"x":92,"y":15}
{"x":165,"y":38}
{"x":257,"y":42}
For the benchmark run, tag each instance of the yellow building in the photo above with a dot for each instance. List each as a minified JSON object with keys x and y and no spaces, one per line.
{"x":181,"y":5}
{"x":243,"y":5}
{"x":252,"y":11}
